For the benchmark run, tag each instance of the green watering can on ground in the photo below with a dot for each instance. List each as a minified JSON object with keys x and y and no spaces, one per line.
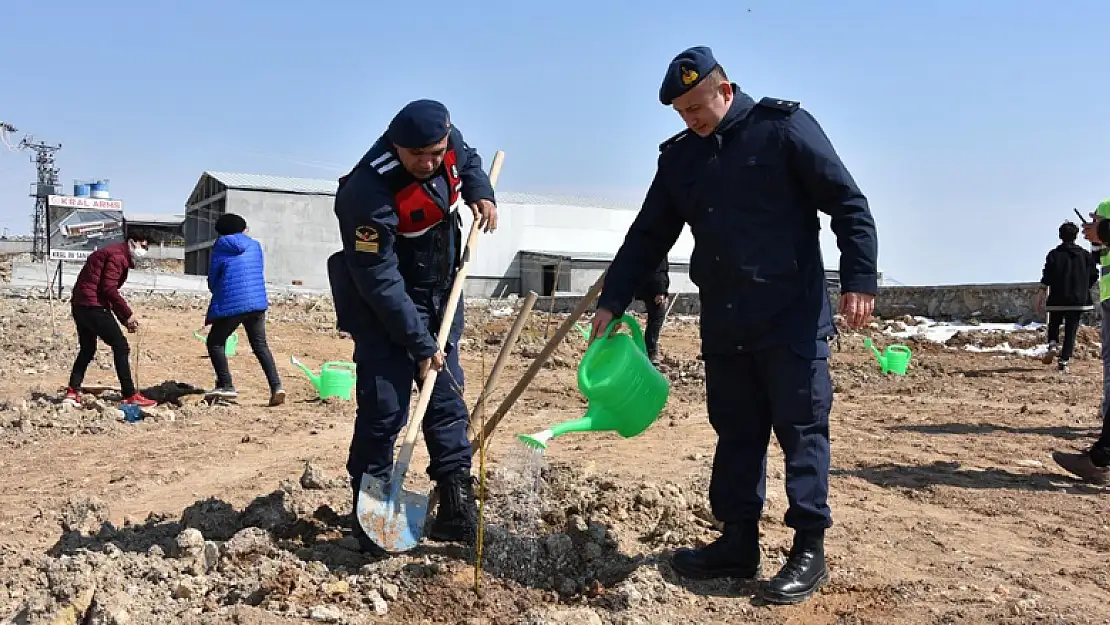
{"x":336,"y":378}
{"x":230,"y":345}
{"x":626,"y":393}
{"x":895,"y":359}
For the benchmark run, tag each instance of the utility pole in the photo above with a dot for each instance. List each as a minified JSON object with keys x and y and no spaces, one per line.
{"x":45,"y":186}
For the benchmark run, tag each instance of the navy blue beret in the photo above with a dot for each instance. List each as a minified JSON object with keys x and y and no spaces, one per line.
{"x":420,"y":124}
{"x":686,"y":70}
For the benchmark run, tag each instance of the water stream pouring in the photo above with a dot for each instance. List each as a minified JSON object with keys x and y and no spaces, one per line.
{"x":336,"y":378}
{"x":895,"y":359}
{"x":230,"y":345}
{"x":626,"y":392}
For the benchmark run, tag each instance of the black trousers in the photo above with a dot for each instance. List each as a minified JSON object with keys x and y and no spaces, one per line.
{"x":98,"y":323}
{"x":655,"y":314}
{"x":1070,"y":321}
{"x":254,"y":324}
{"x":783,"y":390}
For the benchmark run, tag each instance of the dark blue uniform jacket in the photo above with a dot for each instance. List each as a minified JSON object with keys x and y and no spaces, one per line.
{"x":751,"y":193}
{"x":390,"y":289}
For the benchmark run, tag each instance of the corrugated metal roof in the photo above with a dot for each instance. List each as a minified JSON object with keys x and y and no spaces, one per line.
{"x":287,"y":184}
{"x":154,"y":218}
{"x":602,"y":256}
{"x":539,"y":199}
{"x":282,"y":184}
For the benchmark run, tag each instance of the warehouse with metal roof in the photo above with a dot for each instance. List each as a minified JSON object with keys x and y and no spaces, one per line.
{"x":544,"y":243}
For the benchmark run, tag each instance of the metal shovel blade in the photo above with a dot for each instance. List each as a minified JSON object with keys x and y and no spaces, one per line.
{"x":392,"y":518}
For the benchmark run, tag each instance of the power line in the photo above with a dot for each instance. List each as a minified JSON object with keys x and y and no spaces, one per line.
{"x":45,"y":186}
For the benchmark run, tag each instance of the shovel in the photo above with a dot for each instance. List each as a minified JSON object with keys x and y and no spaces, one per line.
{"x":392,"y":516}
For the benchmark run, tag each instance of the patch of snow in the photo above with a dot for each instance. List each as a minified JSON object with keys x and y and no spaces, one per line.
{"x":941,"y":331}
{"x":1032,"y":352}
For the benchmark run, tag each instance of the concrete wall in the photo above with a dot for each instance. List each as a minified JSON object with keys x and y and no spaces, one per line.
{"x":156,"y":251}
{"x":991,"y":303}
{"x":16,"y":247}
{"x":986,"y":302}
{"x":297,"y":232}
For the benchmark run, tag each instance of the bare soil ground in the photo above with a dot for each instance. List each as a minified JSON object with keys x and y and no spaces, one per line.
{"x":948,"y":508}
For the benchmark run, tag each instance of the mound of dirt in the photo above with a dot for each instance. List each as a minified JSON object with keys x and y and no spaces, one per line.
{"x":553,"y":539}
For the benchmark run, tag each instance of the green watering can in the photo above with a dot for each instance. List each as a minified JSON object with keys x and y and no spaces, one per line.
{"x":895,"y":359}
{"x":229,"y":346}
{"x":336,"y":379}
{"x":626,"y":393}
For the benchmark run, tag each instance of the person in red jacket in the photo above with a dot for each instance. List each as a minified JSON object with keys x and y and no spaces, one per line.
{"x":96,"y":298}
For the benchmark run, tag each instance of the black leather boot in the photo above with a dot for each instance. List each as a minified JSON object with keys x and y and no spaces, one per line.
{"x":365,"y":545}
{"x":804,"y":572}
{"x":457,"y":516}
{"x":734,"y":554}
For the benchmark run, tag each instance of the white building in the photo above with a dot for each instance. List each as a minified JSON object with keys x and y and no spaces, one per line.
{"x":537,"y":238}
{"x":542,"y":243}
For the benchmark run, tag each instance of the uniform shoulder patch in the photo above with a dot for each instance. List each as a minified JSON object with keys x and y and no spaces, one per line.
{"x":673,"y":140}
{"x":788,"y":106}
{"x":366,"y":239}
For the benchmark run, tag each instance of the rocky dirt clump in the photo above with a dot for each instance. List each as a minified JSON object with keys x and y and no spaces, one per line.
{"x":574,"y":543}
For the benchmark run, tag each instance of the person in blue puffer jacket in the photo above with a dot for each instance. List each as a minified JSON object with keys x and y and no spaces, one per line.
{"x":238,"y":285}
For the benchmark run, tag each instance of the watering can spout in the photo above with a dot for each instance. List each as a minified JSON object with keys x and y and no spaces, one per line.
{"x":596,"y":419}
{"x":875,"y":350}
{"x":314,"y":378}
{"x":625,"y":392}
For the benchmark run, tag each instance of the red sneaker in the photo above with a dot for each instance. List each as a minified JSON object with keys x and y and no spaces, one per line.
{"x":139,"y":400}
{"x":72,"y":397}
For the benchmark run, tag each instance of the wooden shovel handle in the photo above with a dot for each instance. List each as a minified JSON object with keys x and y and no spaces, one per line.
{"x":552,"y":343}
{"x":502,"y":358}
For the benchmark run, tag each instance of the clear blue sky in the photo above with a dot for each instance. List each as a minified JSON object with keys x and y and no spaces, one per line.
{"x":974,"y":127}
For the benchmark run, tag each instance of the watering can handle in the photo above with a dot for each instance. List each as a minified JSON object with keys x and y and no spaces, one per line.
{"x":587,"y":358}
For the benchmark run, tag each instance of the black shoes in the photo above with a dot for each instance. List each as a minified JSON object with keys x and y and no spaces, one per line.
{"x":225,"y":391}
{"x":734,"y":554}
{"x":457,"y":516}
{"x":804,"y":572}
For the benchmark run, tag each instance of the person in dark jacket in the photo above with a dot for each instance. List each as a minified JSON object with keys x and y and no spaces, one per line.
{"x":653,"y":293}
{"x":1092,"y":465}
{"x":237,"y":281}
{"x":750,"y":179}
{"x":1068,"y":275}
{"x":398,"y":214}
{"x":96,"y":298}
